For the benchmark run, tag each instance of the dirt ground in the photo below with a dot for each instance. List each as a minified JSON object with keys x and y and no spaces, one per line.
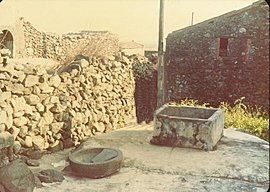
{"x":240,"y":163}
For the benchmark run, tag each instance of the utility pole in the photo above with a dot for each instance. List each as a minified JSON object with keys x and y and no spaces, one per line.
{"x":160,"y":96}
{"x":192,"y":18}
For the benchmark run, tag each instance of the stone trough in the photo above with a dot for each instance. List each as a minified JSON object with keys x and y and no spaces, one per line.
{"x":186,"y":126}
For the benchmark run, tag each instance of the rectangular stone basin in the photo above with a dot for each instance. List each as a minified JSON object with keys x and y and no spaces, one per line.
{"x":188,"y":126}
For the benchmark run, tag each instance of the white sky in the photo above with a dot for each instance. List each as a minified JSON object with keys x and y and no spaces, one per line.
{"x":131,"y":19}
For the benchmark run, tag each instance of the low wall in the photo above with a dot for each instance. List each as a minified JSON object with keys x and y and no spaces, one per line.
{"x":43,"y":111}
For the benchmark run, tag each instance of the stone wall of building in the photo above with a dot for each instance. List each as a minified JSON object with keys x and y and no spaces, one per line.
{"x":221,"y":59}
{"x":45,"y":111}
{"x":66,"y":46}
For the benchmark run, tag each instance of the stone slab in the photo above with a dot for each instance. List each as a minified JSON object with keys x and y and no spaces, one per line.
{"x":187,"y":126}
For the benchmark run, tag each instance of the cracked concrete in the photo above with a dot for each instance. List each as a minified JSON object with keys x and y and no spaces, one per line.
{"x":240,"y":163}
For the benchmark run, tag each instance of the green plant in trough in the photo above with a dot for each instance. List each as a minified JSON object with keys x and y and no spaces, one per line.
{"x":251,"y":120}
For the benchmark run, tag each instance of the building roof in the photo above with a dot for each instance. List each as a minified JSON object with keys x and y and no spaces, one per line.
{"x":226,"y":15}
{"x":130,"y":45}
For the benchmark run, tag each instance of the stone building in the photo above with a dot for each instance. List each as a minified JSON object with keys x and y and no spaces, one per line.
{"x":132,"y":48}
{"x":221,"y":59}
{"x":25,"y":41}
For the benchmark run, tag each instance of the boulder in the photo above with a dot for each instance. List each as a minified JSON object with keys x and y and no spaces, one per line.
{"x":17,"y":177}
{"x":6,"y":139}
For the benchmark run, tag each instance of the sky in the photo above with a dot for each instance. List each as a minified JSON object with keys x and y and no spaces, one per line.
{"x":131,"y":19}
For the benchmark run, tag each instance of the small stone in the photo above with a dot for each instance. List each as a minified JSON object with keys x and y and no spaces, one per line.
{"x":8,"y":109}
{"x":18,"y":89}
{"x":28,"y":109}
{"x":46,"y":145}
{"x":5,"y":96}
{"x":6,"y":139}
{"x":31,"y":80}
{"x":48,"y":117}
{"x":207,"y":35}
{"x":50,"y":176}
{"x":56,"y":127}
{"x":2,"y":128}
{"x":100,"y":127}
{"x":16,"y":147}
{"x":19,"y":67}
{"x":27,"y":90}
{"x":33,"y":163}
{"x":3,"y":117}
{"x":58,"y":117}
{"x":18,"y":114}
{"x":36,"y":90}
{"x":23,"y":131}
{"x":20,"y":121}
{"x":40,"y":107}
{"x":34,"y":154}
{"x":18,"y":103}
{"x":41,"y":71}
{"x":21,"y":77}
{"x":14,"y":131}
{"x":45,"y":88}
{"x":75,"y":104}
{"x":57,"y":108}
{"x":56,"y":146}
{"x":38,"y":141}
{"x":54,"y":99}
{"x":2,"y":76}
{"x":55,"y":81}
{"x":84,"y":63}
{"x":32,"y":99}
{"x":28,"y":141}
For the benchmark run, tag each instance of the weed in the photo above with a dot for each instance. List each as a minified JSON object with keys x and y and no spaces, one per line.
{"x":252,"y":120}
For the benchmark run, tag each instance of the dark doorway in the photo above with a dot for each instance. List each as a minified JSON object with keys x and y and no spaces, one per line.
{"x":146,"y":97}
{"x":6,"y":41}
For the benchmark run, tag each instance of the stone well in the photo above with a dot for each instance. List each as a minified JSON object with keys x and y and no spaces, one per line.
{"x":186,"y":126}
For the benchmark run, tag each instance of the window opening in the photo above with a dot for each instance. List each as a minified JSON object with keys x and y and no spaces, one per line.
{"x":223,"y":47}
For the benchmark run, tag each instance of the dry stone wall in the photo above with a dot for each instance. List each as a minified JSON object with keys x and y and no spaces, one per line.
{"x":195,"y":67}
{"x":84,"y":98}
{"x":61,"y":47}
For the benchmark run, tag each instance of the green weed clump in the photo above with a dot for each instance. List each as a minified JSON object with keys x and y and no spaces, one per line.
{"x":252,"y":120}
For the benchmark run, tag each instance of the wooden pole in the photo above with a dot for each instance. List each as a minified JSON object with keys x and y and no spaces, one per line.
{"x":160,"y":99}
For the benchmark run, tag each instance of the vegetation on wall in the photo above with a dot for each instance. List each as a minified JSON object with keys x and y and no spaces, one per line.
{"x":251,"y":120}
{"x":98,"y":45}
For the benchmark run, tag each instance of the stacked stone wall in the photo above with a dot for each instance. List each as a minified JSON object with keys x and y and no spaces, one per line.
{"x":43,"y":111}
{"x":66,"y":46}
{"x":195,"y":69}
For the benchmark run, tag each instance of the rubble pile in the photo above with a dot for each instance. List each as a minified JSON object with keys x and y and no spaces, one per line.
{"x":44,"y":111}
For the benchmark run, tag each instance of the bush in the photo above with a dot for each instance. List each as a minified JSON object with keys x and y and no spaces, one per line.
{"x":252,"y":120}
{"x":97,"y":45}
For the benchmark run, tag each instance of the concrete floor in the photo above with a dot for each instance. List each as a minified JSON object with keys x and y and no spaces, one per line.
{"x":240,"y":163}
